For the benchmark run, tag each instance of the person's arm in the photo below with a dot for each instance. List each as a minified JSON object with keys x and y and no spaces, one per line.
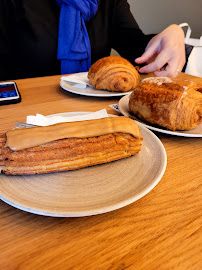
{"x":163,"y":54}
{"x":127,"y":38}
{"x":114,"y":26}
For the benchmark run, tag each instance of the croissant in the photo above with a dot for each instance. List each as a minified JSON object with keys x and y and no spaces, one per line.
{"x":68,"y":146}
{"x":171,"y":103}
{"x":113,"y":73}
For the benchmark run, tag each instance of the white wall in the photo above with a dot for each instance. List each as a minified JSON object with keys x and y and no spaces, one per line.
{"x":155,"y":15}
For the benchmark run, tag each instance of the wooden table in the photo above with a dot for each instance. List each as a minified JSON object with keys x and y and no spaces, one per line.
{"x":162,"y":230}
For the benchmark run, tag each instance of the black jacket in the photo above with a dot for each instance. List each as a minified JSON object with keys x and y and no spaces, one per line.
{"x":29,"y":29}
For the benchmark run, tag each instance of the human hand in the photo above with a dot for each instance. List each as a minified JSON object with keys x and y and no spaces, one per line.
{"x":165,"y":53}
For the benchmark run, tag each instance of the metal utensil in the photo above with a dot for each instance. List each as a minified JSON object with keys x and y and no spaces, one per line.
{"x":23,"y":125}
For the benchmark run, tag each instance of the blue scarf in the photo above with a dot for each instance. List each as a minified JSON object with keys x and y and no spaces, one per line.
{"x":74,"y":48}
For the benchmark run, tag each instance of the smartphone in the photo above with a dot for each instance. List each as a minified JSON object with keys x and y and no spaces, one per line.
{"x":9,"y":93}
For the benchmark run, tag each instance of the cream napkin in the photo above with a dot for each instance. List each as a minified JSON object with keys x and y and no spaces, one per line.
{"x":79,"y":80}
{"x":41,"y":120}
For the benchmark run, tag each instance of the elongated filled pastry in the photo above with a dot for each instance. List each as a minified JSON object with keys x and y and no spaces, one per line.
{"x":113,"y":73}
{"x":68,"y":146}
{"x":171,"y":103}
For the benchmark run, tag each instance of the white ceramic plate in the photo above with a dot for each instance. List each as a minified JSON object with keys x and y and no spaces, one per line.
{"x":89,"y":191}
{"x":89,"y":91}
{"x":124,"y":109}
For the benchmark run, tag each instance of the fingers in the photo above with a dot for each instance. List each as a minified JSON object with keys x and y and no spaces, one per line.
{"x":166,"y":64}
{"x":160,"y":61}
{"x":165,"y":53}
{"x":150,"y":51}
{"x":172,"y":69}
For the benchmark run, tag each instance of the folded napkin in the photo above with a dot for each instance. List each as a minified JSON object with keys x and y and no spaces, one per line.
{"x":80,"y":80}
{"x":41,"y":120}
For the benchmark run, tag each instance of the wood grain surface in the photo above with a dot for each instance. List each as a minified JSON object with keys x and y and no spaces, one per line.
{"x":162,"y":230}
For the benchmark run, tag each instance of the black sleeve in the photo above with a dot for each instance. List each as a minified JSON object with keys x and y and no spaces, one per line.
{"x":28,"y":38}
{"x":127,"y":38}
{"x":6,"y":23}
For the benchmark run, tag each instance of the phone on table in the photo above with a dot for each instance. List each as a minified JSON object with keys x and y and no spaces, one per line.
{"x":9,"y":93}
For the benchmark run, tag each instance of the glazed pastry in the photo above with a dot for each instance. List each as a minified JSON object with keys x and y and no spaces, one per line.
{"x":113,"y":73}
{"x":171,"y":103}
{"x":68,"y":146}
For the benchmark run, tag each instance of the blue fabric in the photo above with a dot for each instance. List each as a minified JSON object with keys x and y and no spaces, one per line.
{"x":74,"y":48}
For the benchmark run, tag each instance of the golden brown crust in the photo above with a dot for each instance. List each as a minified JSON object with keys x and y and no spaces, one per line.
{"x":113,"y":73}
{"x":2,"y":143}
{"x":67,"y":147}
{"x":170,"y":103}
{"x":69,"y":154}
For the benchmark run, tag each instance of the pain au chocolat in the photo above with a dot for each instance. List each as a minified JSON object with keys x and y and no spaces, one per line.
{"x":113,"y":73}
{"x":171,"y":103}
{"x":68,"y":146}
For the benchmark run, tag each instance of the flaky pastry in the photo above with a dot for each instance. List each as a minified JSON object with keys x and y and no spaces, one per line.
{"x":113,"y":73}
{"x":68,"y":146}
{"x":171,"y":103}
